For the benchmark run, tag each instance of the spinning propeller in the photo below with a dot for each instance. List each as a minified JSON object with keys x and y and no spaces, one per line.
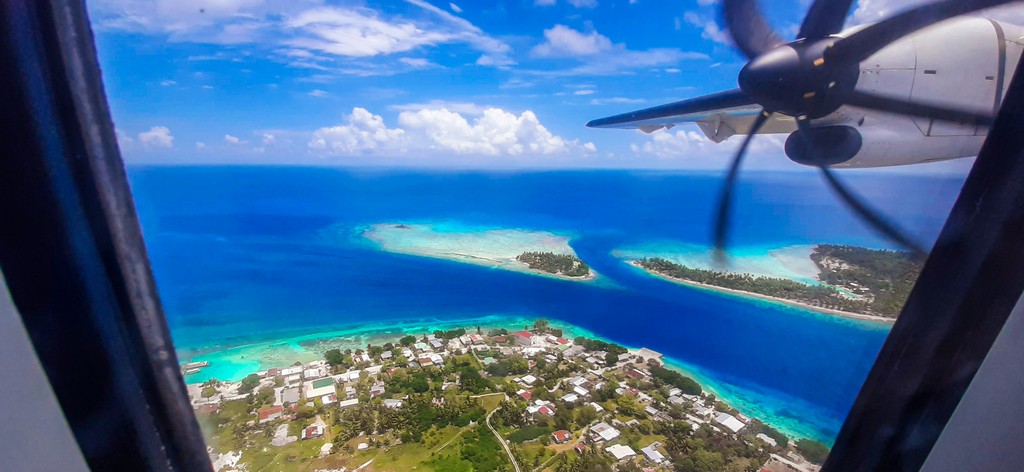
{"x":816,"y":74}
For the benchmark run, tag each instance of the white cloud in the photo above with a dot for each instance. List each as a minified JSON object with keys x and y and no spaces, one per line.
{"x":417,"y":62}
{"x":440,"y":131}
{"x":268,"y":138}
{"x":870,"y":11}
{"x":599,"y":55}
{"x":584,"y":92}
{"x":692,"y":145}
{"x":617,"y":100}
{"x":709,"y":27}
{"x":232,"y":139}
{"x":317,"y":93}
{"x":157,"y":136}
{"x":364,"y":133}
{"x":200,"y":145}
{"x":352,"y":33}
{"x":563,"y":41}
{"x":167,"y":83}
{"x":301,"y":32}
{"x":575,"y":3}
{"x":455,"y":8}
{"x":517,"y":82}
{"x":123,"y":139}
{"x":495,"y":52}
{"x":465,"y":108}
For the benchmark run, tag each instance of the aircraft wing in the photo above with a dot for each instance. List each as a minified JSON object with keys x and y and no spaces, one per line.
{"x":719,"y":116}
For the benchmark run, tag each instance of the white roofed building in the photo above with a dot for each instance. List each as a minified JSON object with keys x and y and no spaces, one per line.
{"x":620,"y":452}
{"x":320,"y":387}
{"x":767,"y":439}
{"x":653,"y":455}
{"x":729,"y":422}
{"x":603,"y":432}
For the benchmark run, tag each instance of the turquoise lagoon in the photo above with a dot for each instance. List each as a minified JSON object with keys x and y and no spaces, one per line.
{"x":267,"y":266}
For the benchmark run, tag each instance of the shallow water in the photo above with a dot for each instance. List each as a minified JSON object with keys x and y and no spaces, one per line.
{"x":256,"y":264}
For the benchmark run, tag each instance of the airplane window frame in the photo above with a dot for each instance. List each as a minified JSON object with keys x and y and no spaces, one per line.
{"x":72,"y":252}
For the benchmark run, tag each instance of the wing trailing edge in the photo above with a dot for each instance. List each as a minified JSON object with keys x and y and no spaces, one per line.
{"x":719,"y":116}
{"x":682,"y":111}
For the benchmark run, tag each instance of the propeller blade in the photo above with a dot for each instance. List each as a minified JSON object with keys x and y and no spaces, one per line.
{"x":866,"y":42}
{"x":748,"y":28}
{"x":824,"y":18}
{"x":866,"y":214}
{"x":923,"y":110}
{"x":725,"y":199}
{"x":869,"y":216}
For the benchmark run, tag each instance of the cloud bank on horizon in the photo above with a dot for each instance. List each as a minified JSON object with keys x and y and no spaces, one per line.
{"x":418,"y":82}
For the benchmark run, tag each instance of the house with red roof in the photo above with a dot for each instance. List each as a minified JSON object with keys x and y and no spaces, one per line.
{"x":525,"y":394}
{"x":270,"y":414}
{"x":311,"y":432}
{"x":524,"y":338}
{"x":561,"y":436}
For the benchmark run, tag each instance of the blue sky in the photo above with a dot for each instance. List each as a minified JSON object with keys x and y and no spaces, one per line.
{"x":419,"y":82}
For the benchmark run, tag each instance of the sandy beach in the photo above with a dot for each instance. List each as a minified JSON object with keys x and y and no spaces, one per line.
{"x":741,"y":293}
{"x":495,"y":248}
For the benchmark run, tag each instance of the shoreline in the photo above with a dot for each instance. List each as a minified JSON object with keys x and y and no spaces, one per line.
{"x":493,"y":261}
{"x":297,"y":351}
{"x":741,"y":293}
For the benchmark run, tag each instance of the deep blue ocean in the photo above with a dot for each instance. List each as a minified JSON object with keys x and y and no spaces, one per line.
{"x":246,"y":253}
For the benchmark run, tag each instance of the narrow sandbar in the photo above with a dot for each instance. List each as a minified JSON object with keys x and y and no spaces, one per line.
{"x":489,"y":247}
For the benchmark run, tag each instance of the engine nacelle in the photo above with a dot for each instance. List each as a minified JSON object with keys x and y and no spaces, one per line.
{"x":894,"y":141}
{"x":826,"y":145}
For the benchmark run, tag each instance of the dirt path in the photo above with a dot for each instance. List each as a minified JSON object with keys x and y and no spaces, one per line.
{"x":501,"y":441}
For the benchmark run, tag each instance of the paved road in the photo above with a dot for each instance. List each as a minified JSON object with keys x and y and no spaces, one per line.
{"x":501,"y":440}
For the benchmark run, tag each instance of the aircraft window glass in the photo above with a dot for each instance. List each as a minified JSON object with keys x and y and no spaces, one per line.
{"x":394,"y":232}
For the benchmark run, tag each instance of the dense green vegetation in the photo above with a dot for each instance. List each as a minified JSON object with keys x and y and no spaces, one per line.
{"x":598,"y":345}
{"x":812,"y":450}
{"x":514,"y":365}
{"x":249,"y":383}
{"x":481,"y":448}
{"x":450,"y":334}
{"x":881,"y":279}
{"x":441,"y":422}
{"x":675,"y":379}
{"x":755,"y":426}
{"x":559,"y":264}
{"x":887,"y":275}
{"x":334,"y":357}
{"x":528,"y":433}
{"x":708,"y":450}
{"x":592,"y":461}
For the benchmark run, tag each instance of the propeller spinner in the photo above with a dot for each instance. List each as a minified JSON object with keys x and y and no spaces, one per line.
{"x":817,"y":74}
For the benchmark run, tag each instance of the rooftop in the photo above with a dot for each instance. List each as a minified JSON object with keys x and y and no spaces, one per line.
{"x":730,"y":422}
{"x":321,"y":383}
{"x":620,"y":452}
